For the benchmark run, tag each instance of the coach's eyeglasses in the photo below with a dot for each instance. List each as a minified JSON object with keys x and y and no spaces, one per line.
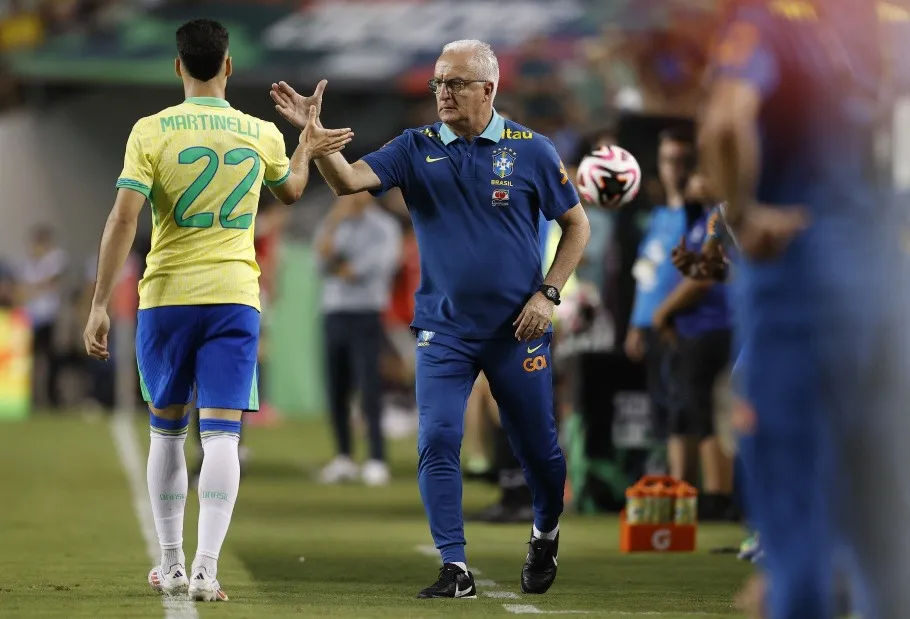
{"x":454,"y":86}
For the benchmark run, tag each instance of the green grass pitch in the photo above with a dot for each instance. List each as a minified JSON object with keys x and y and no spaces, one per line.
{"x":71,"y":544}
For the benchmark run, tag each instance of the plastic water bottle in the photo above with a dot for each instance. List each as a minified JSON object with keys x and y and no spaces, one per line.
{"x":686,"y":511}
{"x":665,"y":494}
{"x":635,"y":505}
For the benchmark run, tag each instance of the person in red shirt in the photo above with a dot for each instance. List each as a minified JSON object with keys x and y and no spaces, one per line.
{"x":271,"y":221}
{"x":400,"y":415}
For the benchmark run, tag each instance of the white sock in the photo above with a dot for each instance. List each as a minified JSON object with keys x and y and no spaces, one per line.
{"x":219,"y":481}
{"x":463,"y":566}
{"x":167,"y":482}
{"x":536,"y":533}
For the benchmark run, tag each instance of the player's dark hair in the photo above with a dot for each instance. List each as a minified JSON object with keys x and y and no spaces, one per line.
{"x":202,"y":45}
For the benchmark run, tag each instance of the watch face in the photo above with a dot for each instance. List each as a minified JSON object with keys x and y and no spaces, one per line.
{"x":551,"y":293}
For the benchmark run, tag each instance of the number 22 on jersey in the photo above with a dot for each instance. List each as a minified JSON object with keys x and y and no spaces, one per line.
{"x":207,"y":220}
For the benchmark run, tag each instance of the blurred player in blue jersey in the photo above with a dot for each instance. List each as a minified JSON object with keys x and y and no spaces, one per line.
{"x":475,"y":185}
{"x":788,"y":135}
{"x":201,"y":165}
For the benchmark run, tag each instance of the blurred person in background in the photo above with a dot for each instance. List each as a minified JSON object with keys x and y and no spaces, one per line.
{"x":655,"y":274}
{"x":399,"y":416}
{"x":358,"y":246}
{"x":788,"y":136}
{"x":713,"y":261}
{"x":667,"y":66}
{"x":271,"y":221}
{"x":41,"y":291}
{"x":538,"y":87}
{"x":696,"y":317}
{"x":484,"y":303}
{"x":102,"y":375}
{"x":545,"y":104}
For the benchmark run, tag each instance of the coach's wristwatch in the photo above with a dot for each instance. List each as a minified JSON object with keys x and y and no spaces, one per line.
{"x":550,"y":292}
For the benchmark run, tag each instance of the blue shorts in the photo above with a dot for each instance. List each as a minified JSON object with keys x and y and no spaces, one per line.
{"x":210,"y":347}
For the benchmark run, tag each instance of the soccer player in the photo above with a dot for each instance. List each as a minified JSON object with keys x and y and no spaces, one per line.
{"x":788,"y":134}
{"x":475,"y":184}
{"x":200,"y":164}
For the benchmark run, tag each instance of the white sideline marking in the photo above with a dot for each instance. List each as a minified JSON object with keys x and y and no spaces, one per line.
{"x":522,"y":609}
{"x":527,"y":609}
{"x":427,"y":550}
{"x":128,"y":450}
{"x":504,"y":595}
{"x":660,"y":613}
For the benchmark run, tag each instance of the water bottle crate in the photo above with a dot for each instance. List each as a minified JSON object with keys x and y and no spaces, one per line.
{"x":660,"y":516}
{"x":664,"y":537}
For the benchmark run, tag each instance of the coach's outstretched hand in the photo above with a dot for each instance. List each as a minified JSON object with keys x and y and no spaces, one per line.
{"x":294,"y":107}
{"x":534,"y":318}
{"x":322,"y":142}
{"x":95,"y":334}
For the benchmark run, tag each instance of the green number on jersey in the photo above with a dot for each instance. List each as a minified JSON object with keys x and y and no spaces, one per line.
{"x":236,"y":157}
{"x":199,"y":220}
{"x":207,"y":220}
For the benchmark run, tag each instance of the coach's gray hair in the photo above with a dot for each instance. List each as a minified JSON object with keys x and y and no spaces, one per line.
{"x":483,"y":62}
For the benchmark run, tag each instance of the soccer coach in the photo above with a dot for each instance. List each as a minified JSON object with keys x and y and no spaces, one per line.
{"x":475,"y":185}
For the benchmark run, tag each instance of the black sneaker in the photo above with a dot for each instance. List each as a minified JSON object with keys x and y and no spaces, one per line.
{"x":453,"y":582}
{"x":539,"y":571}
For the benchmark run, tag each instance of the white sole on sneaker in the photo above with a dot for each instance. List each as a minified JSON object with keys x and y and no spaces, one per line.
{"x":375,"y":474}
{"x":174,"y":584}
{"x":206,"y":591}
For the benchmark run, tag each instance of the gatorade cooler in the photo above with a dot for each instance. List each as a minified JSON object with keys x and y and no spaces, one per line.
{"x":659,"y":516}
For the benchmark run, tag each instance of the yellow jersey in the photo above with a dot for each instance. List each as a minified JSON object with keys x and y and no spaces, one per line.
{"x":202,"y":164}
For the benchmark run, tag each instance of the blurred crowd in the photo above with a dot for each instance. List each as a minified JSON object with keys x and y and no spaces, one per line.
{"x":641,"y":356}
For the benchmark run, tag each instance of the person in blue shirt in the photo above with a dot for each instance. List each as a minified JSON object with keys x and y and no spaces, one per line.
{"x":697,"y":314}
{"x":704,"y":264}
{"x":789,"y":136}
{"x":655,"y":276}
{"x":475,"y":185}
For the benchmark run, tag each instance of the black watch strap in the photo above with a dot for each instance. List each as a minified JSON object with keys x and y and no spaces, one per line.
{"x":550,"y":292}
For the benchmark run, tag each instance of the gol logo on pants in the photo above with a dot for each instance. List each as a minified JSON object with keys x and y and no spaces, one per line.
{"x":533,"y":364}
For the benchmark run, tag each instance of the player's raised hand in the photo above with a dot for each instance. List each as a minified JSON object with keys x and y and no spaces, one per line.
{"x":95,"y":334}
{"x":294,"y":107}
{"x":322,"y":142}
{"x":534,"y":319}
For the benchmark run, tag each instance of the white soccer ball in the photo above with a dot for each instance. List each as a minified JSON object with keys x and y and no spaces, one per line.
{"x":609,"y":177}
